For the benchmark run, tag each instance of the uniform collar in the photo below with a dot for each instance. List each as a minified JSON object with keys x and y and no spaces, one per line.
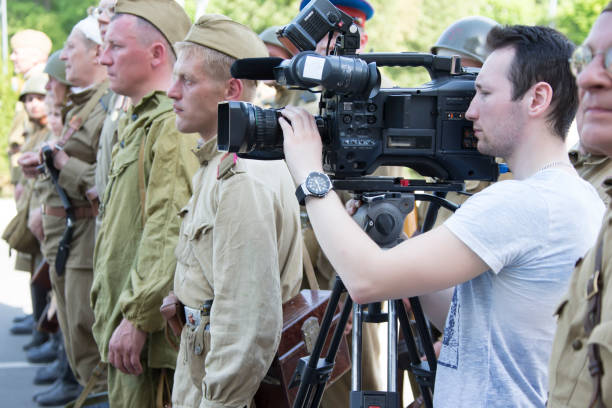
{"x":205,"y":151}
{"x":80,"y":98}
{"x":576,"y":157}
{"x":148,"y":102}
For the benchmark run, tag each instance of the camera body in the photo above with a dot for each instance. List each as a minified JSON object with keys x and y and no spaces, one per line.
{"x":362,"y":126}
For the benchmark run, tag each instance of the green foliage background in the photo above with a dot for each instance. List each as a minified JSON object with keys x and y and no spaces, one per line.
{"x":397,"y":25}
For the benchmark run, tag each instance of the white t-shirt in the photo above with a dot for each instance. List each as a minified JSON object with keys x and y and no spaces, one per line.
{"x":500,"y":326}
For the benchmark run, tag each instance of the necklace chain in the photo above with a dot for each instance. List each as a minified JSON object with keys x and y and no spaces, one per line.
{"x":554,"y":164}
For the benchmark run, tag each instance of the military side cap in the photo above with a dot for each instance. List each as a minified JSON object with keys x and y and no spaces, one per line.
{"x":31,"y":39}
{"x":223,"y":34}
{"x":34,"y":85}
{"x":57,"y":68}
{"x":90,"y":28}
{"x":166,"y":15}
{"x":268,"y":36}
{"x":361,"y":10}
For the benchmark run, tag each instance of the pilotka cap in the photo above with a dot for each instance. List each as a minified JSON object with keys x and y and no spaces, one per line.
{"x":166,"y":15}
{"x":222,"y":34}
{"x":31,"y":39}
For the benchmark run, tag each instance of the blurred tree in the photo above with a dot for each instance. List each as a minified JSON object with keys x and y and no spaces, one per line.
{"x":575,"y":17}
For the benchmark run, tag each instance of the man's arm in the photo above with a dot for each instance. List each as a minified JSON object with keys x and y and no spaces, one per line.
{"x":246,"y":316}
{"x":427,"y":263}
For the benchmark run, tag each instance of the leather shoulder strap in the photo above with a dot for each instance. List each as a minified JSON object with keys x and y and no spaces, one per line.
{"x":77,"y":120}
{"x":592,"y":319}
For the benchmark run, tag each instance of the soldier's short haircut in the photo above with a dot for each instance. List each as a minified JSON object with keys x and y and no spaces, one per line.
{"x":215,"y":64}
{"x":541,"y":55}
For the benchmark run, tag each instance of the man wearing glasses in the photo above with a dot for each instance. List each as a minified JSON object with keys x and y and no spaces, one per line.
{"x":581,"y":360}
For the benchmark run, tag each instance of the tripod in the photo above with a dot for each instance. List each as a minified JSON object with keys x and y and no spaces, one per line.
{"x":382,"y":224}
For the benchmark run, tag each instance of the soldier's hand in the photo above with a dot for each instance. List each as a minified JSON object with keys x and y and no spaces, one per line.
{"x":35,"y":223}
{"x":125,"y":346}
{"x":18,"y":191}
{"x":60,"y":158}
{"x":29,"y":161}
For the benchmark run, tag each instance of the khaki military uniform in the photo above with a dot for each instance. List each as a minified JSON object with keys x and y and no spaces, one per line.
{"x":108,"y":137}
{"x":594,"y":169}
{"x":72,"y":288}
{"x":20,"y":127}
{"x":134,"y":256}
{"x":239,"y":246}
{"x":570,"y":382}
{"x":32,"y":139}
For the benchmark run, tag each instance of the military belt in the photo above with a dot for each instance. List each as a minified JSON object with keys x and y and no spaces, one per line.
{"x":193,"y":317}
{"x":79,"y":212}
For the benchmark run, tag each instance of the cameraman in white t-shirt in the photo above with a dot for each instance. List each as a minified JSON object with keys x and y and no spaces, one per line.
{"x":509,"y":250}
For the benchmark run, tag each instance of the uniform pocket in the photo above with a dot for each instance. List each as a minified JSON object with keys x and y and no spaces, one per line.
{"x":561,"y":306}
{"x":198,"y":344}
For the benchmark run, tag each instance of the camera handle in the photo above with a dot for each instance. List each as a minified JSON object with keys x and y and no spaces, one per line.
{"x":313,"y":371}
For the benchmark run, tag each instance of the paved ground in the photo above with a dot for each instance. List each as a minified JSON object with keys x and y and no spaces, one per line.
{"x":16,"y":373}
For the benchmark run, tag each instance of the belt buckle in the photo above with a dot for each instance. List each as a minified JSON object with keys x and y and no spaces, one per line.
{"x":193,"y":317}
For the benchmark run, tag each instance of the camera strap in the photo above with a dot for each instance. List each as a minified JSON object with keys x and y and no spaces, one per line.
{"x":592,"y":319}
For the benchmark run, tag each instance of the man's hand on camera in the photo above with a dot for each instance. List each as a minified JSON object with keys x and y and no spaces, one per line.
{"x":29,"y":161}
{"x":352,"y":206}
{"x":302,"y":145}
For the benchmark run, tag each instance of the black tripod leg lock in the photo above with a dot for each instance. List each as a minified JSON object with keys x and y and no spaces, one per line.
{"x":318,"y":375}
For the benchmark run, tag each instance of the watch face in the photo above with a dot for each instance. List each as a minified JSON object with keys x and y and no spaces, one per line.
{"x":318,"y":184}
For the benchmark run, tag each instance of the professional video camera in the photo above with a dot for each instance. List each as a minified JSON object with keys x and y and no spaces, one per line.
{"x":361,"y":125}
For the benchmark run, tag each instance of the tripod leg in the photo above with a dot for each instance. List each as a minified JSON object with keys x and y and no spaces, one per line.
{"x":392,"y":347}
{"x":356,"y":345}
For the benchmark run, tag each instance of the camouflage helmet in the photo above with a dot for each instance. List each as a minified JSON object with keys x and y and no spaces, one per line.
{"x":34,"y":85}
{"x":268,"y":36}
{"x":467,"y":37}
{"x":57,"y":68}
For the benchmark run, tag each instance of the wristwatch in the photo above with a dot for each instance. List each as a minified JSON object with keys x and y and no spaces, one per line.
{"x":316,"y":185}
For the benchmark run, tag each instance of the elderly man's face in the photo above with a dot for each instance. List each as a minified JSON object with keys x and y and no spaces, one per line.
{"x":103,"y":13}
{"x":594,"y":116}
{"x":80,"y":57}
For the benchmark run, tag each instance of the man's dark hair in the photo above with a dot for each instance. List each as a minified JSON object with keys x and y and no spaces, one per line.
{"x":541,"y":55}
{"x":607,"y":8}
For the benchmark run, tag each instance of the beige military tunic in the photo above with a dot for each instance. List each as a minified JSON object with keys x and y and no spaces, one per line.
{"x":594,"y":169}
{"x":570,"y":384}
{"x":37,"y":134}
{"x":134,"y":255}
{"x":239,"y":246}
{"x":72,"y":288}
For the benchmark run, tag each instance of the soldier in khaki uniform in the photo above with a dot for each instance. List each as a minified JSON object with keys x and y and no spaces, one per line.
{"x":239,"y":249}
{"x":31,"y":49}
{"x":580,"y":369}
{"x":117,"y":106}
{"x":32,"y":95}
{"x":594,"y":168}
{"x":75,"y":158}
{"x":149,"y":182}
{"x":282,"y":95}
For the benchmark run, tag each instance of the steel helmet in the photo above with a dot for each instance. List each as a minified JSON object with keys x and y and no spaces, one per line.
{"x":467,"y":37}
